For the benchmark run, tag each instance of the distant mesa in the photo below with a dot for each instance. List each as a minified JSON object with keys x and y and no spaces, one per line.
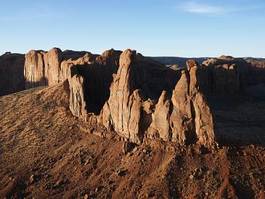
{"x":11,"y":73}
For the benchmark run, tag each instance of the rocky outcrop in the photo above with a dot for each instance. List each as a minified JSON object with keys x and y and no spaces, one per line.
{"x":130,"y":94}
{"x":203,"y":120}
{"x":34,"y":70}
{"x":122,"y":111}
{"x":48,"y":68}
{"x":89,"y":80}
{"x":160,"y":126}
{"x":52,"y":60}
{"x":184,"y":118}
{"x":77,"y":102}
{"x":256,"y":72}
{"x":182,"y":123}
{"x":11,"y":73}
{"x":224,"y":76}
{"x":65,"y":68}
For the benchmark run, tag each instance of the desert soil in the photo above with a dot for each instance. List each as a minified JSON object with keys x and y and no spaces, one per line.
{"x":47,"y":153}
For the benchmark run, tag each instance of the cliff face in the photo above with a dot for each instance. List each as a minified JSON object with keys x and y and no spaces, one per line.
{"x":137,"y":97}
{"x":145,"y":99}
{"x":94,"y":82}
{"x":34,"y":70}
{"x":11,"y":73}
{"x":229,"y":77}
{"x":184,"y":118}
{"x":225,"y":75}
{"x":49,"y":68}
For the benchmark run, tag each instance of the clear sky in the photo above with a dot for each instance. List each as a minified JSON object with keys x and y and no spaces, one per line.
{"x":152,"y":27}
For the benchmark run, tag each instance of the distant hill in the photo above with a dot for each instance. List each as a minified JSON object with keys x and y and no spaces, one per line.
{"x":180,"y":61}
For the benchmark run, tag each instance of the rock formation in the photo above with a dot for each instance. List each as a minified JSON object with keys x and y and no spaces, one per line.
{"x":123,"y":108}
{"x":224,"y":76}
{"x":34,"y":70}
{"x":135,"y":96}
{"x":48,"y":68}
{"x":91,"y":78}
{"x":11,"y":73}
{"x":137,"y":83}
{"x":52,"y":60}
{"x":185,"y":118}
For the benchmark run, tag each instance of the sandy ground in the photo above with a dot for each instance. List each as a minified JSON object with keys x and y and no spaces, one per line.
{"x":47,"y":153}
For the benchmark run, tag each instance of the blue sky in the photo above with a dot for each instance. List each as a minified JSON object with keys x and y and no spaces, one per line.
{"x":152,"y":27}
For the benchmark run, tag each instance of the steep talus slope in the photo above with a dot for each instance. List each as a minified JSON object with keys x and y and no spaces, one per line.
{"x":47,"y":153}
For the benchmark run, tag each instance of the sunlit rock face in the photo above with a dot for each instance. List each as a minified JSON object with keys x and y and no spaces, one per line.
{"x":186,"y":117}
{"x":34,"y":70}
{"x":135,"y":96}
{"x":144,"y":99}
{"x":43,"y":68}
{"x":129,"y":94}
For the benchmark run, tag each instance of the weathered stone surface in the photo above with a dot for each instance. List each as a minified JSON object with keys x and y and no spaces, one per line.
{"x":132,"y":95}
{"x":204,"y":126}
{"x":96,"y":73}
{"x":77,"y":102}
{"x":122,"y":110}
{"x":34,"y":70}
{"x":160,"y":126}
{"x":65,"y":68}
{"x":186,"y":118}
{"x":11,"y":73}
{"x":52,"y":60}
{"x":225,"y":76}
{"x":48,"y":68}
{"x":180,"y":119}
